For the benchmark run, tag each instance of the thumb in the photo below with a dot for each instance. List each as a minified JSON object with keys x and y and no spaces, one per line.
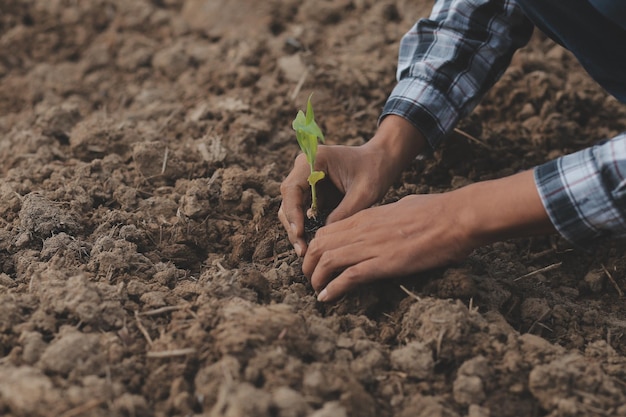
{"x":350,"y":204}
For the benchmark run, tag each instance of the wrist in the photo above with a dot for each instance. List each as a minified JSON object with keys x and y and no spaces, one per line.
{"x":398,"y":141}
{"x":398,"y":138}
{"x":503,"y":209}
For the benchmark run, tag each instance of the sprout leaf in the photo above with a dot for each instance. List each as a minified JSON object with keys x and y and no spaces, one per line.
{"x":307,"y":134}
{"x":314,"y":177}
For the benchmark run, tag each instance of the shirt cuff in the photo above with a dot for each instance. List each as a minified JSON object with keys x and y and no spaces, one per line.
{"x":418,"y":101}
{"x":578,"y":196}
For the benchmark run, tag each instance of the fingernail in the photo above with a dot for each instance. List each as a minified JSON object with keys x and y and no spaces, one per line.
{"x":322,"y":296}
{"x":298,"y":249}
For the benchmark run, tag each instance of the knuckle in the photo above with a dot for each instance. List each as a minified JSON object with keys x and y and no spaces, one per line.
{"x":327,"y":260}
{"x":308,"y":272}
{"x":351,"y":275}
{"x":285,"y":186}
{"x":282,"y":216}
{"x":320,"y":233}
{"x":317,"y":283}
{"x":314,"y":249}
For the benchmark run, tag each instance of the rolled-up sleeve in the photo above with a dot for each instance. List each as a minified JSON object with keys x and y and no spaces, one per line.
{"x":448,"y":62}
{"x":584,"y":193}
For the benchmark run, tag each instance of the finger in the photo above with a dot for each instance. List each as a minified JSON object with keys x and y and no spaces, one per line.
{"x":358,"y":274}
{"x":299,"y":244}
{"x":291,"y":212}
{"x":293,"y":203}
{"x":335,"y":260}
{"x":351,"y":203}
{"x":325,"y":239}
{"x":344,"y":232}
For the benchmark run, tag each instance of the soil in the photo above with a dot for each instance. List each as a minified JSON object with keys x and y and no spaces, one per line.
{"x":143,"y":271}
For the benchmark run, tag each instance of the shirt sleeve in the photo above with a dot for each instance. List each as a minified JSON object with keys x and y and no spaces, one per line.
{"x":447,"y":62}
{"x":584,"y":193}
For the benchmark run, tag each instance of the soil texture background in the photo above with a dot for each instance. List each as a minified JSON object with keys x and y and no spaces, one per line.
{"x":143,"y":271}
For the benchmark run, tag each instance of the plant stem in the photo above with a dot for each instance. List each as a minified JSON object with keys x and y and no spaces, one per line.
{"x":313,"y":198}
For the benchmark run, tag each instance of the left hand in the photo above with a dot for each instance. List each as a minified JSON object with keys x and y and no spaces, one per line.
{"x":361,"y":174}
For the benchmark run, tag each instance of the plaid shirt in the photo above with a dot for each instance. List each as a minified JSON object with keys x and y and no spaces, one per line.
{"x":450,"y":60}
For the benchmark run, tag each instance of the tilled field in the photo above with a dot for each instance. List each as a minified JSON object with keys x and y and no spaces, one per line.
{"x":143,"y":271}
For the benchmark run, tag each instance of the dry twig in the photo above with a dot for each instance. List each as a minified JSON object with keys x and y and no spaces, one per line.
{"x":440,"y":337}
{"x":171,"y":353}
{"x":298,"y":87}
{"x":142,"y":329}
{"x":165,"y":156}
{"x":540,"y":270}
{"x":409,"y":293}
{"x":161,"y":310}
{"x":472,"y":138}
{"x":472,"y":308}
{"x":608,"y":274}
{"x":83,"y":408}
{"x":541,"y":254}
{"x":537,"y":322}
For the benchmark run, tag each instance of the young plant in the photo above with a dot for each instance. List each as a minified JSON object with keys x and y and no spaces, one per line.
{"x":307,"y":133}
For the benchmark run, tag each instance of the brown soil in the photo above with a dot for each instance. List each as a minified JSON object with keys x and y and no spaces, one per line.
{"x":143,"y":271}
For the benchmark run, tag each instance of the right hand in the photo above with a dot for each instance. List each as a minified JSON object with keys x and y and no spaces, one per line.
{"x":362,"y":174}
{"x":421,"y":232}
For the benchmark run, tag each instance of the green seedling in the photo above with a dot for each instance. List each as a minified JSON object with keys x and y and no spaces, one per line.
{"x":307,"y":133}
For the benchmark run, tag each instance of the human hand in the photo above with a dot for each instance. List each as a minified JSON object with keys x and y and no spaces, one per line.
{"x":421,"y":232}
{"x":361,"y":174}
{"x":416,"y":233}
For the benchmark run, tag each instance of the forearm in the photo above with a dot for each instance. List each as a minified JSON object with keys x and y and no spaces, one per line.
{"x":502,"y":209}
{"x":421,"y":232}
{"x":448,"y":61}
{"x":581,"y":195}
{"x":493,"y":210}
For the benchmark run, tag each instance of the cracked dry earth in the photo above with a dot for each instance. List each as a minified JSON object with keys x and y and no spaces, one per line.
{"x":143,"y":271}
